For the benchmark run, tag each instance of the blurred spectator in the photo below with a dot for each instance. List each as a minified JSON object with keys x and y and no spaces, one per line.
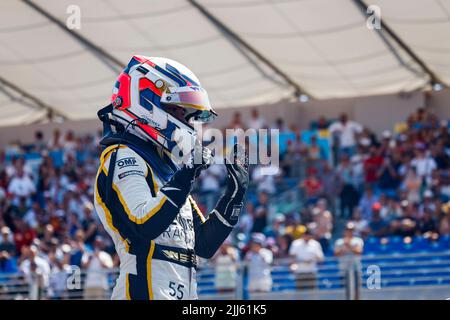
{"x":412,"y":185}
{"x":406,"y":225}
{"x":378,"y":226}
{"x":307,"y":253}
{"x":261,"y":212}
{"x":258,"y":261}
{"x":348,"y":193}
{"x":7,"y":243}
{"x":96,"y":264}
{"x":35,"y":268}
{"x":225,"y":267}
{"x":323,"y":222}
{"x":361,"y":225}
{"x":348,"y":248}
{"x":367,"y":202}
{"x":345,"y":132}
{"x":312,"y":186}
{"x":236,"y":122}
{"x":265,"y":177}
{"x":21,"y":185}
{"x":256,"y":120}
{"x":423,"y":163}
{"x":59,"y":273}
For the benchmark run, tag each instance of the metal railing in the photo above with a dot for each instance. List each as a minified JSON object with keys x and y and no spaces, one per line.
{"x":367,"y":277}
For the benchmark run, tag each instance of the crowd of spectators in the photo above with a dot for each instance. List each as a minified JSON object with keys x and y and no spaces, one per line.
{"x":397,"y":184}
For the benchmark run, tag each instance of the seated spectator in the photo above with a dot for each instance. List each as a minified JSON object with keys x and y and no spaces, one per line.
{"x":427,"y":222}
{"x":307,"y":253}
{"x":258,"y":261}
{"x":406,"y":225}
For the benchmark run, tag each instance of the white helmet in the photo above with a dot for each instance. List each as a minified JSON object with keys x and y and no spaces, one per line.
{"x":155,"y":98}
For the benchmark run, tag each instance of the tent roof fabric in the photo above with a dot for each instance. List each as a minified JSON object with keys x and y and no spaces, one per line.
{"x":325,"y":46}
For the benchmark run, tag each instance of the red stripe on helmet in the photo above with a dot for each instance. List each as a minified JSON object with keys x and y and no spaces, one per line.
{"x":145,"y":83}
{"x":121,"y":99}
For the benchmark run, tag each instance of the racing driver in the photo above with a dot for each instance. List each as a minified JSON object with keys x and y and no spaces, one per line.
{"x":142,"y":194}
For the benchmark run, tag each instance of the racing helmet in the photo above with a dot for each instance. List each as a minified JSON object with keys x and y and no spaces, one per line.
{"x":157,"y":99}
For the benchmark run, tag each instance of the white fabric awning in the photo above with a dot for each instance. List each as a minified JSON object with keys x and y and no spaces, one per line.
{"x":322,"y":45}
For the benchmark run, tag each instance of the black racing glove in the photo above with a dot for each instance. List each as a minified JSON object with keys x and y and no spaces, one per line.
{"x":230,"y":204}
{"x":179,"y":187}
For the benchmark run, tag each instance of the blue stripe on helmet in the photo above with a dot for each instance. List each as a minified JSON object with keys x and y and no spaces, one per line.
{"x":180,"y":81}
{"x":175,"y":70}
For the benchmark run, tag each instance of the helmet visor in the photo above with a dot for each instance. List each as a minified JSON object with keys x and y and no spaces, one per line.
{"x":194,"y":99}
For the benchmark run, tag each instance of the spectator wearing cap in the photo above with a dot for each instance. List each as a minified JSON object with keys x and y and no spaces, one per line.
{"x":378,"y":226}
{"x":258,"y":261}
{"x":349,"y":248}
{"x":306,"y":253}
{"x":96,"y":264}
{"x":225,"y":264}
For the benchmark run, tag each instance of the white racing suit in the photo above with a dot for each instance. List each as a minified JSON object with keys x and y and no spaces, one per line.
{"x":156,"y":226}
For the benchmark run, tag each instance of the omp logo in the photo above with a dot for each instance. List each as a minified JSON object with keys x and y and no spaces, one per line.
{"x":127,"y":162}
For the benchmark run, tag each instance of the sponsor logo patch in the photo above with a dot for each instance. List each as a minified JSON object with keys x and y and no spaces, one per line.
{"x":127,"y":162}
{"x":131,"y":173}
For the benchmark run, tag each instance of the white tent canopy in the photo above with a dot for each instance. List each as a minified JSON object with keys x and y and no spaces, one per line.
{"x":323,"y":46}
